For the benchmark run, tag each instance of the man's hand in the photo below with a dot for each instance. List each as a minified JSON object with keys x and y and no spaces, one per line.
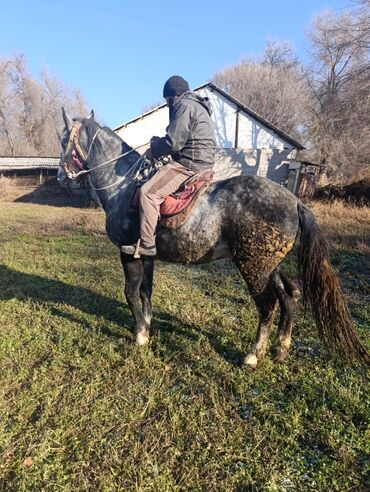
{"x":158,"y":148}
{"x":148,"y":154}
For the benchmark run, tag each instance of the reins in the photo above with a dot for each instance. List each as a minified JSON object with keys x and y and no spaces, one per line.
{"x":85,"y":171}
{"x":140,"y":160}
{"x":73,"y":139}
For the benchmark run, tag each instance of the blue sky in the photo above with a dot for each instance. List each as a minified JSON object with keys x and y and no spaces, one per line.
{"x":119,"y":53}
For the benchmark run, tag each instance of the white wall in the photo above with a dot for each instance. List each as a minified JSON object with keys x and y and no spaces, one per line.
{"x":260,"y":150}
{"x":143,"y":129}
{"x":223,"y":118}
{"x":251,"y":135}
{"x":268,"y":163}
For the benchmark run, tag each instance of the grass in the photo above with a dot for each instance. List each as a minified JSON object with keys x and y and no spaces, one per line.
{"x":83,"y":408}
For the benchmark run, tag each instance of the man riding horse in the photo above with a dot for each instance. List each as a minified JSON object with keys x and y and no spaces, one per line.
{"x":190,"y":141}
{"x":248,"y":219}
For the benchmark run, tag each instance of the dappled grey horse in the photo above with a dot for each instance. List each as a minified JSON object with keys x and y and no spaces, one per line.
{"x":251,"y":220}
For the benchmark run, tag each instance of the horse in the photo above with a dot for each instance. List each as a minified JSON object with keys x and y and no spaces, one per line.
{"x":251,"y":220}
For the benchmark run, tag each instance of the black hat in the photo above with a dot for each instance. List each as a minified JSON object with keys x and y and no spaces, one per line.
{"x":175,"y":86}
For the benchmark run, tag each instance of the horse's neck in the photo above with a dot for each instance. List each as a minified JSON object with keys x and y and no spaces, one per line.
{"x":107,"y":179}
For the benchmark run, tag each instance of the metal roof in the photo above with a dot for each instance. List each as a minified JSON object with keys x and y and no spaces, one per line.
{"x":17,"y":163}
{"x":240,"y":106}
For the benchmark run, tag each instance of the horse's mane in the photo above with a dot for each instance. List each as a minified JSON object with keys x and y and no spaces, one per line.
{"x":91,"y":127}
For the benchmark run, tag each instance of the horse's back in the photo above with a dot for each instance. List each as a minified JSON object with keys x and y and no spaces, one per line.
{"x":256,"y":200}
{"x":244,"y":211}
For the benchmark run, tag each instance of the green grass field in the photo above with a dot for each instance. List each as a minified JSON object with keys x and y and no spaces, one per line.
{"x":84,"y":409}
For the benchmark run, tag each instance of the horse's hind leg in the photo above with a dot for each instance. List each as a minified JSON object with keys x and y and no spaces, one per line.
{"x":288,"y":295}
{"x":265,"y":303}
{"x":134,"y":274}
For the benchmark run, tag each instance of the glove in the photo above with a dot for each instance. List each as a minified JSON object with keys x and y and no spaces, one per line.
{"x":148,"y":154}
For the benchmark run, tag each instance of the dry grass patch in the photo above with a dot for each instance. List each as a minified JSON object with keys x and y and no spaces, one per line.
{"x":8,"y":190}
{"x":345,"y":225}
{"x":41,"y":220}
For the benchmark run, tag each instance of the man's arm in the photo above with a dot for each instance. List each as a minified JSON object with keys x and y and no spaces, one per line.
{"x":178,"y":133}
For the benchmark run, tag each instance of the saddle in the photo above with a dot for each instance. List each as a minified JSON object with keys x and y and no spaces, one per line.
{"x":177,"y":207}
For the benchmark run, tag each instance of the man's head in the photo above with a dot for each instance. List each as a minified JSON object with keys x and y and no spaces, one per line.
{"x":174,"y":87}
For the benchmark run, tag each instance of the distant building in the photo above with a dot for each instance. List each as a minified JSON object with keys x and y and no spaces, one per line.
{"x":34,"y":178}
{"x":31,"y":167}
{"x":246,"y":143}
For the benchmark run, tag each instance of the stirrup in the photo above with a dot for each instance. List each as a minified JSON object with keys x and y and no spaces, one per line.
{"x":136,"y":250}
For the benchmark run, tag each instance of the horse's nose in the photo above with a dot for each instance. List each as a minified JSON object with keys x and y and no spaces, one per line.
{"x":61,"y":176}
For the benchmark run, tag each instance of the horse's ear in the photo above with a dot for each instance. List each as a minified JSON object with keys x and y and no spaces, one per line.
{"x":67,"y":120}
{"x":91,"y":116}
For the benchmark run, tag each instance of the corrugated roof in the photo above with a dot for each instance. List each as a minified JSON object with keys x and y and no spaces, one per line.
{"x":9,"y":163}
{"x":241,"y":106}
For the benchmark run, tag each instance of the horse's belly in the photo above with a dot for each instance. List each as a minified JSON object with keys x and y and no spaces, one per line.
{"x":191,"y":244}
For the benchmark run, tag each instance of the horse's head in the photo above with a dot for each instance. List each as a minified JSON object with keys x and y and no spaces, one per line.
{"x":75,"y":149}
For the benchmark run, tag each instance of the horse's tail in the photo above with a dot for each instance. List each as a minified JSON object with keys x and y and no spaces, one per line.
{"x":321,"y":287}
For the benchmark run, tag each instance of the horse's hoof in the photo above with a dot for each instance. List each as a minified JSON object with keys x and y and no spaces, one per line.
{"x":280,"y":356}
{"x":250,"y":361}
{"x":142,"y":338}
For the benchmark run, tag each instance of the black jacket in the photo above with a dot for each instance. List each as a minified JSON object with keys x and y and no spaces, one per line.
{"x":190,"y":138}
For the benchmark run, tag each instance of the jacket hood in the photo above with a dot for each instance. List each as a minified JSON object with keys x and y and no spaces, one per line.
{"x":203,"y":101}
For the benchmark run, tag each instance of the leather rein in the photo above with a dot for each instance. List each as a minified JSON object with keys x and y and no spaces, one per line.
{"x":79,"y":157}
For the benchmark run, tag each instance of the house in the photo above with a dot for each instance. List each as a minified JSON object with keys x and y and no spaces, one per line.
{"x":33,"y":180}
{"x":246,"y":143}
{"x":29,"y":169}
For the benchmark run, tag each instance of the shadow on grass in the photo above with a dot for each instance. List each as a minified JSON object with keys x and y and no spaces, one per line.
{"x":167,"y":325}
{"x":55,"y":196}
{"x":25,"y":286}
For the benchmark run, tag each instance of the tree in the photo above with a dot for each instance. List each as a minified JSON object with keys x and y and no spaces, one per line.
{"x":339,"y":77}
{"x":7,"y":116}
{"x":273,"y":86}
{"x":30,"y":110}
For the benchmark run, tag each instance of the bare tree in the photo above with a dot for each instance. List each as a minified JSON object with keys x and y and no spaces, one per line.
{"x":325,"y":104}
{"x":7,"y":119}
{"x":30,"y":110}
{"x":339,"y":77}
{"x":273,"y":86}
{"x":278,"y":55}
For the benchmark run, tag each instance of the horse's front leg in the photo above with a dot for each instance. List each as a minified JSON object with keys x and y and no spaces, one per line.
{"x":147,"y":287}
{"x":134,"y":275}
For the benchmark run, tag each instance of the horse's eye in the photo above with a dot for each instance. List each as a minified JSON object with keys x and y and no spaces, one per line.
{"x":64,"y":141}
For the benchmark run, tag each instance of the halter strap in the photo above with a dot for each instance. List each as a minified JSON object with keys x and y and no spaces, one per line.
{"x":74,"y":140}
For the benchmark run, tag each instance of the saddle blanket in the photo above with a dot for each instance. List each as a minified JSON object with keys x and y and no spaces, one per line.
{"x":180,"y":201}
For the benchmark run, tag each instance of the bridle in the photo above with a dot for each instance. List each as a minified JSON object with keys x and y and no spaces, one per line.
{"x":79,"y":157}
{"x":77,"y":153}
